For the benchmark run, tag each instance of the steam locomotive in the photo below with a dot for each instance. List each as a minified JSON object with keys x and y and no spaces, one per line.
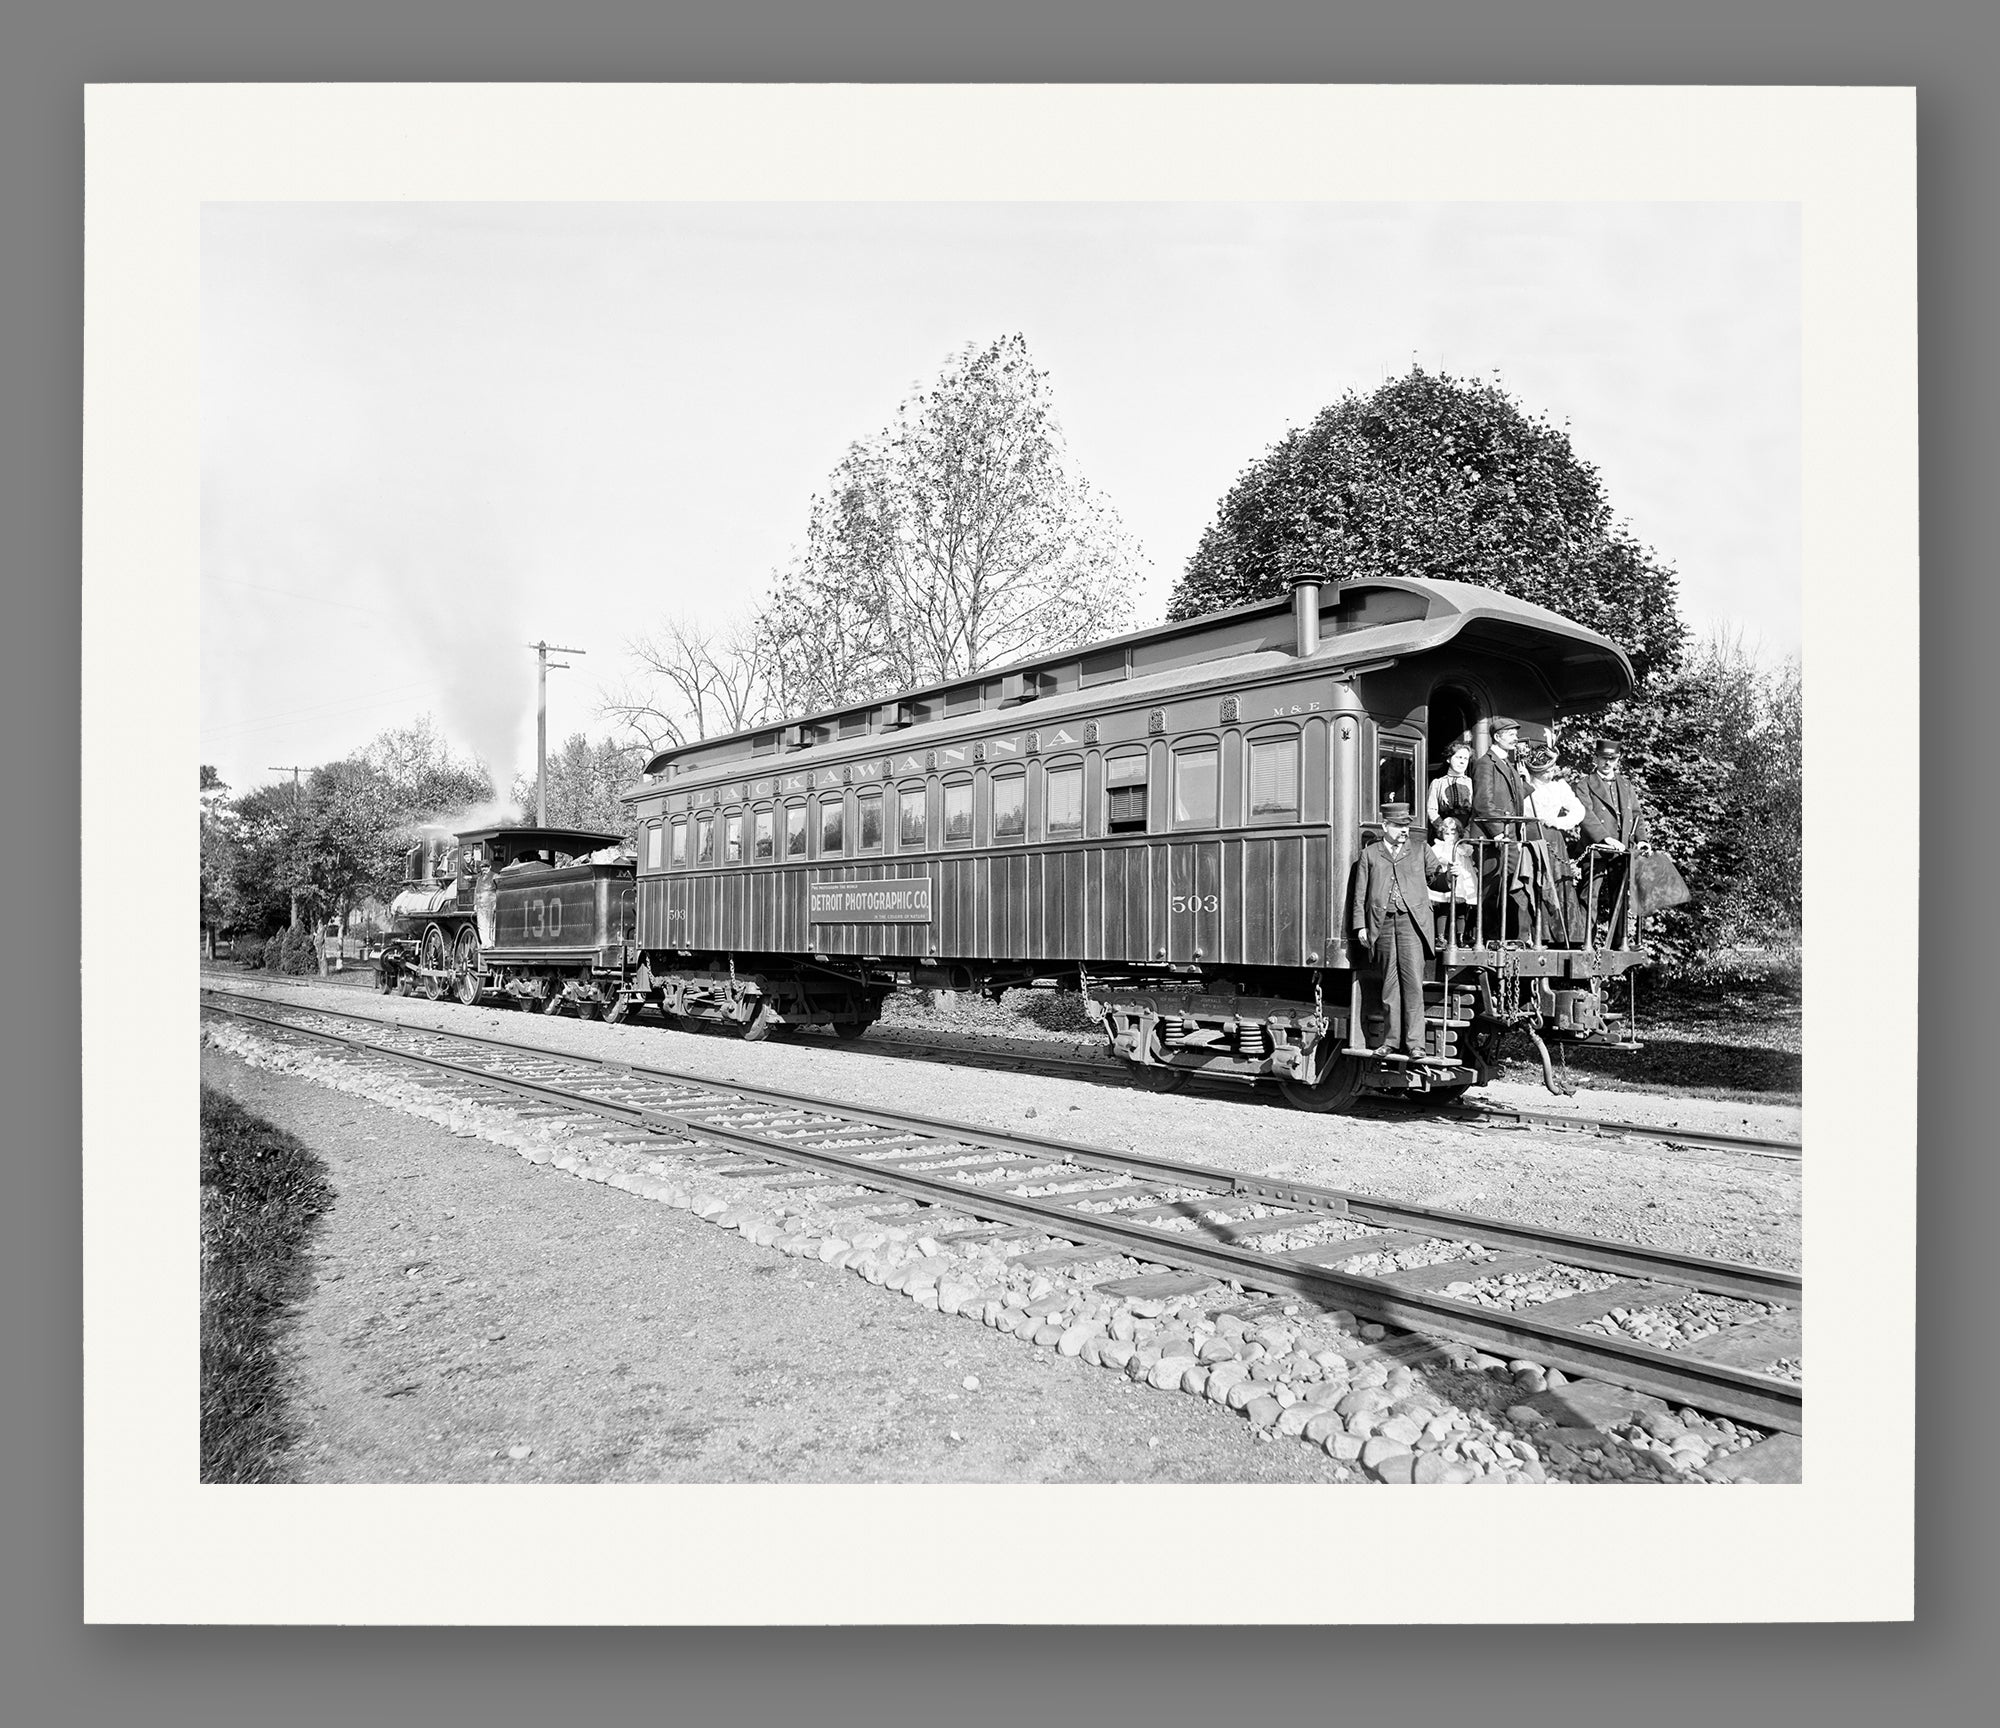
{"x":541,"y":917}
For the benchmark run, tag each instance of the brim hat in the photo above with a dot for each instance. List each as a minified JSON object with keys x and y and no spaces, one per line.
{"x":1608,"y":751}
{"x":1542,"y":758}
{"x":1500,"y":723}
{"x":1397,"y":815}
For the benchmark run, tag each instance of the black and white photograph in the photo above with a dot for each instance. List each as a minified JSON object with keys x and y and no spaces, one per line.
{"x":1039,"y":842}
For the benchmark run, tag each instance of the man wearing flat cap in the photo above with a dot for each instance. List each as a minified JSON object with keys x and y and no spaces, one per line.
{"x":1392,"y":920}
{"x":1499,"y":799}
{"x":1614,"y":822}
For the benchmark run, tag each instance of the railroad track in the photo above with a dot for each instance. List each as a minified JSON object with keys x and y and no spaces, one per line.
{"x":1482,"y":1115}
{"x":1479,"y":1116}
{"x":1092,"y":1203}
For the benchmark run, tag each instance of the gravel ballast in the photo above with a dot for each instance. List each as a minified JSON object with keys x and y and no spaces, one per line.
{"x":1318,"y":1383}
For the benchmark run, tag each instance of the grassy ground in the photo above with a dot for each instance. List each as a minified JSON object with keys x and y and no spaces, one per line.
{"x":261,"y":1193}
{"x":1730,"y":1033}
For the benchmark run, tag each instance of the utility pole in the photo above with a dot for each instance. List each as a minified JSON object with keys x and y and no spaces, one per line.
{"x":542,"y":652}
{"x":293,"y":768}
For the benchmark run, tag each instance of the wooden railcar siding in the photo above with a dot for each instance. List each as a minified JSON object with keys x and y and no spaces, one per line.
{"x":1258,"y":898}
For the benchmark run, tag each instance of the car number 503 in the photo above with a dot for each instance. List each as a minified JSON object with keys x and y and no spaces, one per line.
{"x":1196,"y":903}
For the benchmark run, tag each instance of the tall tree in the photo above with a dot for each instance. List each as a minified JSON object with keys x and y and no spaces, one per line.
{"x":425,"y":779}
{"x":583,"y":785}
{"x":218,"y":841}
{"x":692,"y":682}
{"x":1445,"y":478}
{"x":959,"y":537}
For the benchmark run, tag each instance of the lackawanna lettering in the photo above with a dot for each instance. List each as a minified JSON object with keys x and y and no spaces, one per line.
{"x":905,"y":900}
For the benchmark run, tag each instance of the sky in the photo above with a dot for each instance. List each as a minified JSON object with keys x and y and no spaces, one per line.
{"x":435,"y":434}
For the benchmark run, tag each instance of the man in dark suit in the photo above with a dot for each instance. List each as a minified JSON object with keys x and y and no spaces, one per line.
{"x":1614,"y":822}
{"x":1392,"y":919}
{"x":1500,"y":792}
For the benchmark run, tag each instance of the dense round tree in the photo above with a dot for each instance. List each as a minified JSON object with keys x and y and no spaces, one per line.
{"x":1445,"y":478}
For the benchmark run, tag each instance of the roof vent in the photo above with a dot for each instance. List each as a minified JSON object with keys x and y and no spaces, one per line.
{"x":1305,"y":612}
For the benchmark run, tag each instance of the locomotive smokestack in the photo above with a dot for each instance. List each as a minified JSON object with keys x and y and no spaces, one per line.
{"x":1305,"y":613}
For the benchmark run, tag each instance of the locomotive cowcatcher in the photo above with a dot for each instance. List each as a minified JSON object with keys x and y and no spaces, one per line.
{"x":542,"y":917}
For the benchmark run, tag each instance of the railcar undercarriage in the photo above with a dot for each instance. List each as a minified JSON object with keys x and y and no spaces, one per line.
{"x":1315,"y":1035}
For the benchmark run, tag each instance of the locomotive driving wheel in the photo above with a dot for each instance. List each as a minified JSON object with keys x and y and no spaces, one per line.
{"x":433,"y":960}
{"x":465,"y":965}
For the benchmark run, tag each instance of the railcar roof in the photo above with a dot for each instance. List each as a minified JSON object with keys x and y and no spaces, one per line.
{"x":1370,"y":622}
{"x":590,"y":837}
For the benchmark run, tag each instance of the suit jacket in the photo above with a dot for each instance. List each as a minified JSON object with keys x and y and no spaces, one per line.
{"x":1411,"y":874}
{"x":1611,"y":812}
{"x":1498,"y":789}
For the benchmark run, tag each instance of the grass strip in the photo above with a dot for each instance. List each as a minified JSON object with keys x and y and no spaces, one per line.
{"x":261,"y":1195}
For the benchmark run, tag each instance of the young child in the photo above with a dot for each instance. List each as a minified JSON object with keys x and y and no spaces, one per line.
{"x":1454,"y":884}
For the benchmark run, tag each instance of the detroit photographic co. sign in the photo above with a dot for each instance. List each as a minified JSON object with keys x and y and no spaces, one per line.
{"x":894,"y":900}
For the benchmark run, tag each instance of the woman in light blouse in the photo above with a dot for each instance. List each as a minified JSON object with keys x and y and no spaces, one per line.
{"x":1450,"y":793}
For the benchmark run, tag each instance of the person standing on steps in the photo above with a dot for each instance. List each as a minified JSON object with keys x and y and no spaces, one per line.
{"x":1499,"y":798}
{"x":1392,"y":919}
{"x":1614,"y":823}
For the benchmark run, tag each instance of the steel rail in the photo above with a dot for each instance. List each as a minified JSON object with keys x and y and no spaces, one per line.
{"x":1689,"y":1380}
{"x":1631,"y":1259}
{"x":1555,"y":1121}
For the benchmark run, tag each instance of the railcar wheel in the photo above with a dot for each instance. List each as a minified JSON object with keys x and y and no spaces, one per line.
{"x":465,"y":962}
{"x":433,"y":961}
{"x":385,"y":977}
{"x":1158,"y":1077}
{"x":1338,"y":1084}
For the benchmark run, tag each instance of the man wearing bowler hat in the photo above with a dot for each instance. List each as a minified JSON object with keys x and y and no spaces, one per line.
{"x":1392,"y":919}
{"x":1614,"y":822}
{"x":1499,"y":799}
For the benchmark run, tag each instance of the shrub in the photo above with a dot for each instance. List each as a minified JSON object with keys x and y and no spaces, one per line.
{"x":292,"y":952}
{"x":261,"y":1192}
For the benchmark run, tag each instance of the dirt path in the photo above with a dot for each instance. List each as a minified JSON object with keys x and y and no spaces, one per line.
{"x":467,"y":1304}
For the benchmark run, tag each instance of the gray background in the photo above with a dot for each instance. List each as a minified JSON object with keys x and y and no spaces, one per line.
{"x":56,"y":1670}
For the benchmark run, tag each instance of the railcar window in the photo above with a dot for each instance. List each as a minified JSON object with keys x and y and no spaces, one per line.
{"x":1125,"y":795}
{"x":1010,"y":806}
{"x":910,"y":817}
{"x":653,"y":847}
{"x":1195,"y":788}
{"x":763,"y":843}
{"x":868,"y":818}
{"x":795,"y":830}
{"x":678,"y":852}
{"x":1396,"y":773}
{"x":1063,"y":801}
{"x":832,"y":823}
{"x":732,"y":838}
{"x":958,"y":812}
{"x":1274,"y":780}
{"x":704,"y":839}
